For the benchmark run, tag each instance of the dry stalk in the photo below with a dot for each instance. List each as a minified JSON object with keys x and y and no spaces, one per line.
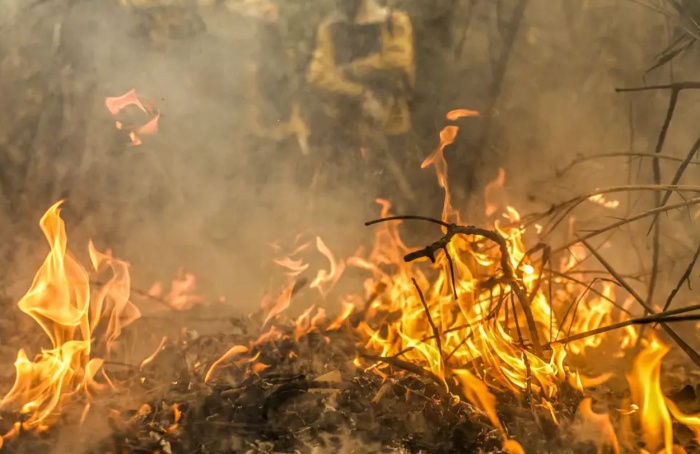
{"x":508,"y":272}
{"x":692,"y":354}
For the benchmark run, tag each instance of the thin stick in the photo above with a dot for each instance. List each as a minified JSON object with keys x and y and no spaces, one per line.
{"x":592,"y":157}
{"x":692,"y":354}
{"x":575,"y":308}
{"x":408,"y":218}
{"x":656,"y":167}
{"x":436,"y":331}
{"x":682,"y":168}
{"x":643,"y":215}
{"x":408,"y":367}
{"x":675,"y":86}
{"x":635,"y":321}
{"x":452,"y":274}
{"x":684,"y":278}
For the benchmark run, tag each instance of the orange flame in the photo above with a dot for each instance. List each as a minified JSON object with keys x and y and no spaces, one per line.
{"x":597,"y":427}
{"x":490,"y":189}
{"x":437,"y":159}
{"x":645,"y":383}
{"x":460,"y":113}
{"x":118,"y":103}
{"x":59,"y":300}
{"x":325,"y":280}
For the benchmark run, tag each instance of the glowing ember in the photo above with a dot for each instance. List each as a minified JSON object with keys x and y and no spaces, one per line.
{"x":115,"y":105}
{"x":460,"y":113}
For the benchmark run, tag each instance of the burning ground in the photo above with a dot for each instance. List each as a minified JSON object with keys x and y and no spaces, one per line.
{"x":514,"y":337}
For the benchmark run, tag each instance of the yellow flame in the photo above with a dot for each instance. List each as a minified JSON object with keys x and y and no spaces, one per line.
{"x":59,"y":300}
{"x":645,"y":384}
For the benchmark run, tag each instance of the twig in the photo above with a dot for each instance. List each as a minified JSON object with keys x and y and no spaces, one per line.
{"x":408,"y":218}
{"x":678,"y":86}
{"x":452,"y":274}
{"x":683,"y":279}
{"x":582,"y":159}
{"x":635,"y":321}
{"x":404,"y":365}
{"x":643,"y":215}
{"x":682,"y":168}
{"x":436,"y":331}
{"x":508,"y":272}
{"x":656,"y":167}
{"x":575,"y":308}
{"x":692,"y":354}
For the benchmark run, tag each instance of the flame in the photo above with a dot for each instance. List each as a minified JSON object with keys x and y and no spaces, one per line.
{"x":181,"y":296}
{"x":325,"y":280}
{"x":160,"y":348}
{"x":117,"y":104}
{"x":437,"y":159}
{"x":281,"y":304}
{"x":348,"y":308}
{"x":467,"y":326}
{"x":177,"y":415}
{"x":600,"y":200}
{"x":460,"y":113}
{"x":60,"y":301}
{"x":645,"y":384}
{"x":490,"y":189}
{"x":231,"y":353}
{"x":597,"y":427}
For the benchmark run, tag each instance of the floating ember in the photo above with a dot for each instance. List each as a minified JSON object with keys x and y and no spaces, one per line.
{"x":115,"y":106}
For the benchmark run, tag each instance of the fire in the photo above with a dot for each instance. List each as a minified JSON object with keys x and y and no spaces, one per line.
{"x":325,"y":280}
{"x":117,"y":104}
{"x":655,"y":411}
{"x":477,"y":318}
{"x":181,"y":296}
{"x":645,"y":383}
{"x":597,"y":427}
{"x":61,"y":302}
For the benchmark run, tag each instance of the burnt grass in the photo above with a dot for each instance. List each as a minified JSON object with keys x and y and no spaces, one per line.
{"x":310,"y":399}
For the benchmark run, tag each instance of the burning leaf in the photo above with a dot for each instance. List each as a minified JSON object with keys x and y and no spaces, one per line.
{"x":115,"y":105}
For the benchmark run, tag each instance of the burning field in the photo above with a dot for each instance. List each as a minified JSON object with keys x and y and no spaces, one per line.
{"x":510,"y":318}
{"x":515,"y":336}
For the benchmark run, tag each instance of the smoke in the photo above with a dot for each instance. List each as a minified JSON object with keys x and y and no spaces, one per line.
{"x":204,"y":195}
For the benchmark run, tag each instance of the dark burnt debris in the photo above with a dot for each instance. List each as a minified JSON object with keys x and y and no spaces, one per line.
{"x":311,"y":399}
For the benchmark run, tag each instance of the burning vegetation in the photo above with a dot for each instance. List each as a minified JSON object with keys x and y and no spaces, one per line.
{"x":504,"y":332}
{"x":487,"y":340}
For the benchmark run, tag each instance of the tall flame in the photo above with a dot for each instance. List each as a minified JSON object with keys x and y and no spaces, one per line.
{"x":645,"y":383}
{"x":59,"y":300}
